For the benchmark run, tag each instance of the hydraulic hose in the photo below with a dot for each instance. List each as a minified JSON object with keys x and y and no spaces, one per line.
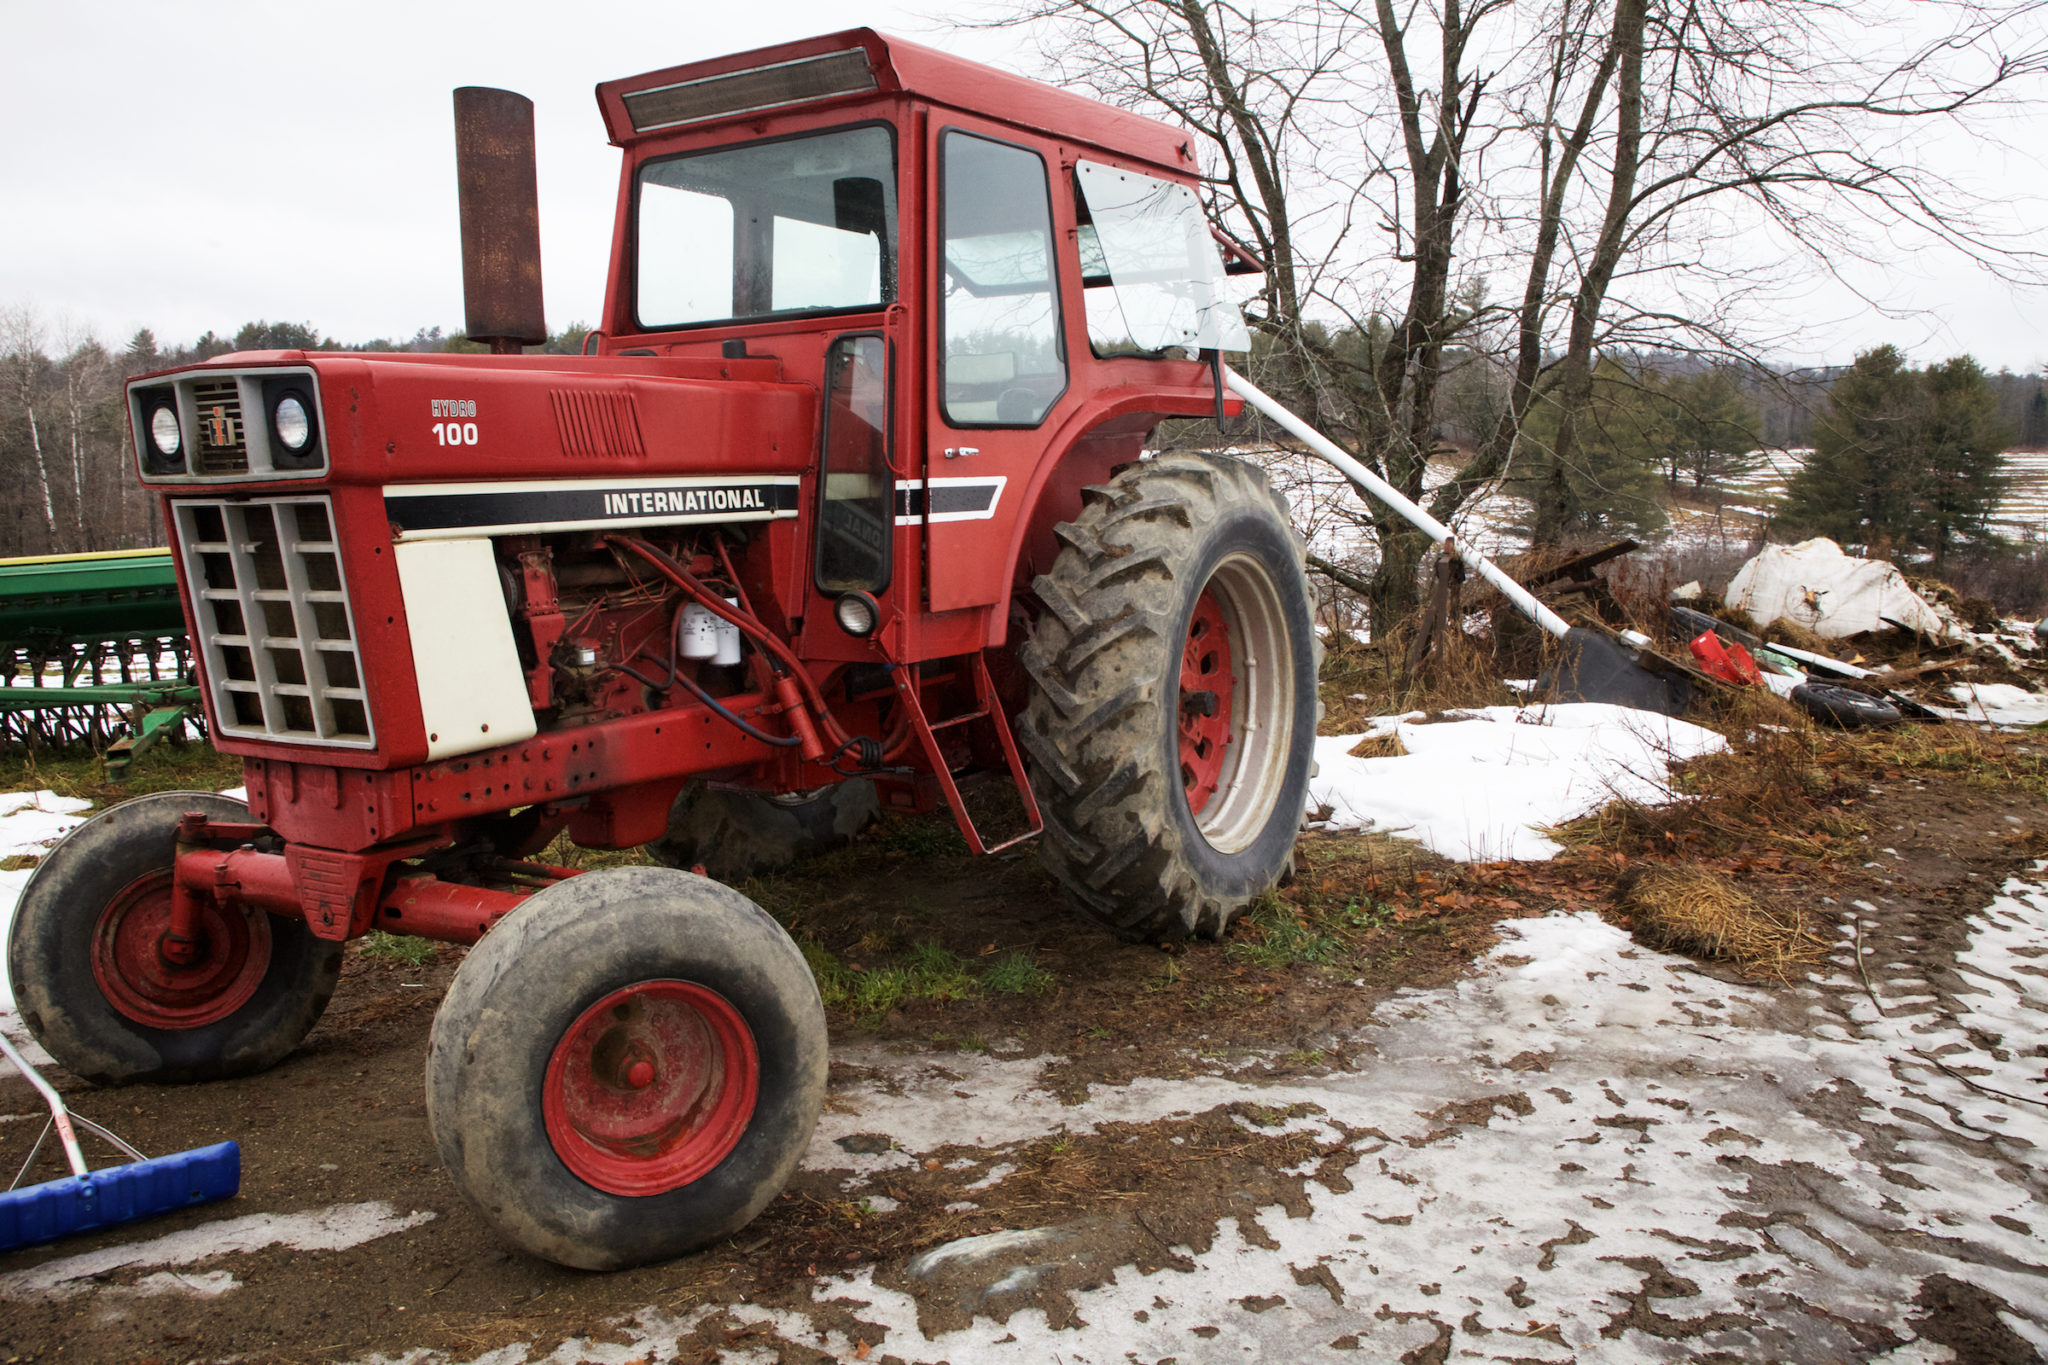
{"x":748,"y":623}
{"x":676,"y":677}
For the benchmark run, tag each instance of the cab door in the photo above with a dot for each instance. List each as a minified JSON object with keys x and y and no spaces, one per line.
{"x":1000,"y":361}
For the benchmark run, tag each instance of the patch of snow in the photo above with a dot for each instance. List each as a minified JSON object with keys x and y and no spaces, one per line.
{"x":970,"y":1250}
{"x":1481,"y":787}
{"x":31,"y":821}
{"x":331,"y":1229}
{"x":210,"y":1284}
{"x":1998,"y":704}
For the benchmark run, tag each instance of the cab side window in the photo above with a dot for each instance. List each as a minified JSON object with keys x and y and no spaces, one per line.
{"x":1003,"y":363}
{"x":857,"y":487}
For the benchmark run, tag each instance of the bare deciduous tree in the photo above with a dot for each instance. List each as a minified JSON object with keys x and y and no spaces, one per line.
{"x":1639,"y":169}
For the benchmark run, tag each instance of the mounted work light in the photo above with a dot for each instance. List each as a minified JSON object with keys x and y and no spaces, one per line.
{"x":857,"y":614}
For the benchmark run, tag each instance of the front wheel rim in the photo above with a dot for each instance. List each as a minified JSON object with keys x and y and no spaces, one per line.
{"x":138,"y":978}
{"x":1261,"y":707}
{"x":651,"y":1087}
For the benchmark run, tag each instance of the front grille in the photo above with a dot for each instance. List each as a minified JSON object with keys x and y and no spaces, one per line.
{"x":222,"y":446}
{"x":274,"y":622}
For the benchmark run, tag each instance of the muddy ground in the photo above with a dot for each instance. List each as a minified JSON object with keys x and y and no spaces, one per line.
{"x":342,"y":1123}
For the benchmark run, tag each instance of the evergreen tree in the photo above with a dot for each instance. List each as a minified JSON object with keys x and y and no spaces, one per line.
{"x":1712,"y":425}
{"x":278,"y":336}
{"x":2034,"y":426}
{"x":1902,"y":458}
{"x":142,"y":355}
{"x":1610,"y":486}
{"x":1962,"y":476}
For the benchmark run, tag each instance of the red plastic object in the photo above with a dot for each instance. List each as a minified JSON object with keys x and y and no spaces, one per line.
{"x":1206,"y":689}
{"x":651,"y":1087}
{"x":1729,"y":663}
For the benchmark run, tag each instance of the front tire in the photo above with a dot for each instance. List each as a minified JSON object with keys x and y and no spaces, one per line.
{"x":95,"y":989}
{"x":1173,"y":713}
{"x":628,"y":1067}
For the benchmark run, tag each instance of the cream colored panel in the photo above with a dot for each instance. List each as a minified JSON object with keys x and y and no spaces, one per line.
{"x":472,"y":690}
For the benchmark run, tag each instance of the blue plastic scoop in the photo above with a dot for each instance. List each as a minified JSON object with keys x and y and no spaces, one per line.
{"x":88,"y":1199}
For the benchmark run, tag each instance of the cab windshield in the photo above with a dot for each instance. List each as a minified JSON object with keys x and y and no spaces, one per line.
{"x":803,"y":225}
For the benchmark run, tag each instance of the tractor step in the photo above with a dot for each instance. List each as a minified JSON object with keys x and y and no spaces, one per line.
{"x":986,"y":707}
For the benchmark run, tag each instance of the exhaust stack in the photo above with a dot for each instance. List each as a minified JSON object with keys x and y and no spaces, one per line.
{"x":494,"y":171}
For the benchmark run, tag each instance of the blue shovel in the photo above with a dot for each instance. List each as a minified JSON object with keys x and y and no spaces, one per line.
{"x":87,"y":1199}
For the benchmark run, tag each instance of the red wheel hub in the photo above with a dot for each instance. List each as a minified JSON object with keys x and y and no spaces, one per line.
{"x":651,"y":1087}
{"x":1207,"y":686}
{"x":168,"y":985}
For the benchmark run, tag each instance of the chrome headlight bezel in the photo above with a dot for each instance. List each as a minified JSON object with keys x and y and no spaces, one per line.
{"x":857,"y":613}
{"x":157,"y":418}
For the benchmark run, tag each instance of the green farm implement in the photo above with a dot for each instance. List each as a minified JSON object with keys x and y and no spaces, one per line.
{"x":93,"y":649}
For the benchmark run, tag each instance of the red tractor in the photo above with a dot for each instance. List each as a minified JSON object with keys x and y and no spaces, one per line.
{"x":842,"y":504}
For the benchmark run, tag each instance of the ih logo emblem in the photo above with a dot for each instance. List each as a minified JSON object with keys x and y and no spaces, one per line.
{"x":220,"y":428}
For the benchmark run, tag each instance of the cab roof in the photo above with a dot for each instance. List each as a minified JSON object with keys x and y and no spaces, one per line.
{"x":859,"y":64}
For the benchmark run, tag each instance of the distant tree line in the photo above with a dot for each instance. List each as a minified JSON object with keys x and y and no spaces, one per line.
{"x":67,"y":471}
{"x":1904,"y":459}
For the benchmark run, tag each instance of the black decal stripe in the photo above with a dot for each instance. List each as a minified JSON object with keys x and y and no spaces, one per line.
{"x":909,"y":502}
{"x":455,"y":511}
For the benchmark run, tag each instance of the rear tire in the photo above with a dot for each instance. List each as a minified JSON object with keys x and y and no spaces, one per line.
{"x":735,"y":834}
{"x":93,"y":990}
{"x":1844,"y":707}
{"x":628,"y":1067}
{"x":1172,"y":720}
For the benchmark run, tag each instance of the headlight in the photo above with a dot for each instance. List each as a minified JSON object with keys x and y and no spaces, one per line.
{"x":163,"y":431}
{"x":857,"y":613}
{"x":294,"y":422}
{"x":294,"y":425}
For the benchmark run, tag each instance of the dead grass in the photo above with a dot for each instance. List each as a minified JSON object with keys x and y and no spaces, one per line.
{"x":1689,"y":909}
{"x":1388,"y":745}
{"x":1782,"y":786}
{"x":1363,"y":681}
{"x":81,"y":772}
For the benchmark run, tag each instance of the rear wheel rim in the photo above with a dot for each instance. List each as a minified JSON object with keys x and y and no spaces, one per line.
{"x":1257,"y":709}
{"x":651,"y":1087}
{"x":1207,"y":687}
{"x":140,"y":981}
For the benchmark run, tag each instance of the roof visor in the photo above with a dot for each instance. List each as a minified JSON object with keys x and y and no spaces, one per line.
{"x":751,"y":91}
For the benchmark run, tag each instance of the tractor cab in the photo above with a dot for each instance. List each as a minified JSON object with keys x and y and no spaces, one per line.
{"x":976,"y":273}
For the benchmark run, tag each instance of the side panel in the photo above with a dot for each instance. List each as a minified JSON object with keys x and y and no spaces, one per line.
{"x":472,"y":689}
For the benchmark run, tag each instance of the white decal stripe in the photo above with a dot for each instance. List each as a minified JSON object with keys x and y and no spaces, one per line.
{"x":597,"y":524}
{"x":445,"y":490}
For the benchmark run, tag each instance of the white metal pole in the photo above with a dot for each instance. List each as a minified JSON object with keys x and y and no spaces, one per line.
{"x":1386,"y":493}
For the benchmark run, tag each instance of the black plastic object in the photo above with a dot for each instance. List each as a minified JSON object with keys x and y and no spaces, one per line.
{"x":1595,"y":667}
{"x":1845,"y":707}
{"x":1688,"y":624}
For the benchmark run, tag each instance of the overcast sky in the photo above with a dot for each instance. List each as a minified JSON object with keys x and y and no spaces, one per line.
{"x":194,"y":166}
